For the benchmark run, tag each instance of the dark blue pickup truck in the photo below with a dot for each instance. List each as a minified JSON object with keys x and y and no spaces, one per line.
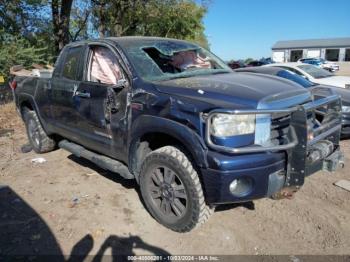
{"x":193,"y":133}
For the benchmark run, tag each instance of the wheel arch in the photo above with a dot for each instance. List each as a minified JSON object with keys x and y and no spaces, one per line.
{"x":159,"y":132}
{"x":27,"y":101}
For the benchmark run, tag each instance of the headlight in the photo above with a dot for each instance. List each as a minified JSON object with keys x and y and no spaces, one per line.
{"x":345,"y":109}
{"x":224,"y":125}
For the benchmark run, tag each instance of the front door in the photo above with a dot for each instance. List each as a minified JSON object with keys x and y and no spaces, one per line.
{"x":107,"y":91}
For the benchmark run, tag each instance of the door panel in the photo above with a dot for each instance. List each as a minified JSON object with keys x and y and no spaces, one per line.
{"x":62,"y":105}
{"x":106,"y":118}
{"x":94,"y":133}
{"x":65,"y":105}
{"x":119,"y":121}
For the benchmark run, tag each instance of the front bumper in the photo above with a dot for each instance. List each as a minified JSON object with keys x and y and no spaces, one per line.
{"x":266,"y":171}
{"x":335,"y":68}
{"x":331,"y":68}
{"x":310,"y":148}
{"x":225,"y":169}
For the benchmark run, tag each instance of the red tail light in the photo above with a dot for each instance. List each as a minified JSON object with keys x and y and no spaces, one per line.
{"x":13,"y":84}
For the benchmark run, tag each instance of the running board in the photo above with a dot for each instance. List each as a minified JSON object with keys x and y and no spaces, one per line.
{"x":100,"y":160}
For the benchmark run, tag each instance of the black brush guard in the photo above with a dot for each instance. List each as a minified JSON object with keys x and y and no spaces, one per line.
{"x":312,"y":127}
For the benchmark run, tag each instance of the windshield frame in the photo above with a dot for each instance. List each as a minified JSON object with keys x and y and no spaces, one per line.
{"x":138,"y":59}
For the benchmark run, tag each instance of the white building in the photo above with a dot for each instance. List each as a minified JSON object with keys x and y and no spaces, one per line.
{"x":332,"y":49}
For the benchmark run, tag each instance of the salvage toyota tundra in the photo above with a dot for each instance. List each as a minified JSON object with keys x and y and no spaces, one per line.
{"x":170,"y":114}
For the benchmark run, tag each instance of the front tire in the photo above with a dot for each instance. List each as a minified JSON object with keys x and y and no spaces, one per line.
{"x":172,"y":191}
{"x":38,"y":139}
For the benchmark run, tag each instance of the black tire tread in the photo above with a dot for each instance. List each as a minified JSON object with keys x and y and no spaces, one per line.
{"x":202,"y":211}
{"x":47,"y":144}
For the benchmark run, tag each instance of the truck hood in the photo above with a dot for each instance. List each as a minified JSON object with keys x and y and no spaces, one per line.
{"x":338,"y":81}
{"x":237,"y":90}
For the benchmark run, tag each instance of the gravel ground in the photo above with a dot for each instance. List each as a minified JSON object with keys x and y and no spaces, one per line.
{"x":344,"y":69}
{"x":69,"y":206}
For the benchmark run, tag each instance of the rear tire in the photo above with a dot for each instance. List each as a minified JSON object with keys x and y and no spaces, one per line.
{"x":172,"y":191}
{"x":38,"y":139}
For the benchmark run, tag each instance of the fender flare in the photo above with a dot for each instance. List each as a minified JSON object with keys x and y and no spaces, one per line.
{"x":189,"y":139}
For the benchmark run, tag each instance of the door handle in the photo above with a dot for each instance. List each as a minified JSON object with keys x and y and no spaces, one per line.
{"x":82,"y":94}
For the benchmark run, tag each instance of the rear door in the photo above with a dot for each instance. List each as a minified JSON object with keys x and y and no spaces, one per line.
{"x":66,"y":106}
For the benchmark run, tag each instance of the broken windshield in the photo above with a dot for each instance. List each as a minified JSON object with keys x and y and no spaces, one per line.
{"x":168,"y":59}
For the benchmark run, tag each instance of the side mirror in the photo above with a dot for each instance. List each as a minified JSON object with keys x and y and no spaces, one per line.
{"x":120,"y":84}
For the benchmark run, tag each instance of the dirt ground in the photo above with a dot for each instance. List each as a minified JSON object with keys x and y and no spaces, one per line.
{"x":69,"y":206}
{"x":344,"y":69}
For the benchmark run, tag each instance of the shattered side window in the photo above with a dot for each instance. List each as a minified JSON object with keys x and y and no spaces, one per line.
{"x":143,"y":64}
{"x":173,"y":59}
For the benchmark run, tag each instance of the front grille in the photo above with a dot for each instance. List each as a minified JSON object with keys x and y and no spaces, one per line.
{"x":280,"y":125}
{"x":312,"y":119}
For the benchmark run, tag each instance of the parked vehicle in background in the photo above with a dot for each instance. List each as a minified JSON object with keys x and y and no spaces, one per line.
{"x":267,"y":60}
{"x":322,"y":63}
{"x":284,"y":73}
{"x":261,"y":62}
{"x":315,"y":74}
{"x":193,"y":133}
{"x":255,"y":63}
{"x":236,"y":64}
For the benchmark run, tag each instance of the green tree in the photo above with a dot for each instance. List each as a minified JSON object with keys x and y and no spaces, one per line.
{"x":80,"y":20}
{"x":61,"y":10}
{"x":40,"y":28}
{"x":248,"y":60}
{"x":29,"y":20}
{"x":118,"y":17}
{"x":165,"y":18}
{"x":19,"y":51}
{"x":20,"y":17}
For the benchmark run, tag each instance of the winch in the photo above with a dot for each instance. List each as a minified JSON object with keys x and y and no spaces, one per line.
{"x":320,"y":151}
